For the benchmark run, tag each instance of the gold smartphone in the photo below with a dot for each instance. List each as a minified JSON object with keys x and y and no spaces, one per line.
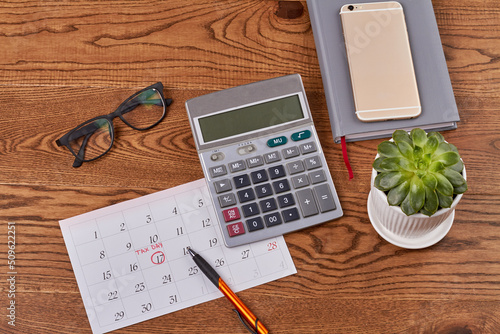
{"x":383,"y":79}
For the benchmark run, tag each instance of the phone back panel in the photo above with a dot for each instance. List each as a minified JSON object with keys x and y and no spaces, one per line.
{"x":380,"y":63}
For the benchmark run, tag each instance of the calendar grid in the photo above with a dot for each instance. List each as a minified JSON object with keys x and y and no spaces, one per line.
{"x":145,"y":271}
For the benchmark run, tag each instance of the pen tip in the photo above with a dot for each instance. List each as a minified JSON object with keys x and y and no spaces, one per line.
{"x":191,"y":252}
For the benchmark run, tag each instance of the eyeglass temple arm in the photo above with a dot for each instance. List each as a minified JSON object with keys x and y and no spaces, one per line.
{"x":86,"y":131}
{"x":81,"y":152}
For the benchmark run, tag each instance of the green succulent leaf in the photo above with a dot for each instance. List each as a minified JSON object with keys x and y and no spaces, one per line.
{"x":448,"y":158}
{"x":444,"y":201}
{"x":376,"y":164}
{"x":436,"y":166}
{"x":443,"y":185}
{"x":419,"y":137}
{"x":438,"y":136}
{"x":406,"y":206}
{"x":417,"y":193}
{"x":388,"y":149}
{"x":425,"y":212}
{"x":388,"y":180}
{"x":461,"y":189}
{"x":398,"y":194}
{"x":431,"y":145}
{"x":458,"y":167}
{"x":442,"y":148}
{"x":390,"y":164}
{"x":407,"y":164}
{"x":400,"y":136}
{"x":429,"y":181}
{"x":431,"y":201}
{"x":405,"y":149}
{"x":456,"y":179}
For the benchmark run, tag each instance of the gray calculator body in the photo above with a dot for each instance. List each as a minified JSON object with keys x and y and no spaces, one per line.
{"x":262,"y":160}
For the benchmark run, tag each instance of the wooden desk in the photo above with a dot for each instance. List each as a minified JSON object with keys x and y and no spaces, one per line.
{"x":65,"y":62}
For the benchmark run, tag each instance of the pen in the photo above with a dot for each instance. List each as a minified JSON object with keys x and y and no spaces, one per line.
{"x":241,"y":309}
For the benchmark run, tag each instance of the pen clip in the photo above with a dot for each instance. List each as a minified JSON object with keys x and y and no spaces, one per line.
{"x":246,"y":325}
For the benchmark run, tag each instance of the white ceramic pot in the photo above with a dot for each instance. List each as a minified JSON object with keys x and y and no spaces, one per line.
{"x":415,"y":231}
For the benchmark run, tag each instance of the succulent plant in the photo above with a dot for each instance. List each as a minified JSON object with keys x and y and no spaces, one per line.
{"x":420,"y":172}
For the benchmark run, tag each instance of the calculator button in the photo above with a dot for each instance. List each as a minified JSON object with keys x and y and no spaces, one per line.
{"x":286,"y":200}
{"x":246,"y":195}
{"x":312,"y":162}
{"x":235,"y":229}
{"x":295,"y":167}
{"x":255,"y":224}
{"x":273,"y":219}
{"x":290,"y":152}
{"x":268,"y":205}
{"x":272,"y":157}
{"x":255,"y":161}
{"x":218,"y":171}
{"x":281,"y":186}
{"x":231,"y":214}
{"x":237,"y":166}
{"x":277,"y":141}
{"x":241,"y":181}
{"x":301,"y":135}
{"x":307,"y":202}
{"x":317,"y":176}
{"x":307,"y":148}
{"x":277,"y":171}
{"x":259,"y":176}
{"x":227,"y":200}
{"x":249,"y":210}
{"x":222,"y":186}
{"x":325,"y":198}
{"x":263,"y":190}
{"x":290,"y":215}
{"x":300,"y":181}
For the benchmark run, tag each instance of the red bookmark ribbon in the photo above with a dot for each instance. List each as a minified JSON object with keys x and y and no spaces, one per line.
{"x":346,"y":158}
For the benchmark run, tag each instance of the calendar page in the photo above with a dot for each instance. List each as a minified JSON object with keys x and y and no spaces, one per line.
{"x":131,"y":262}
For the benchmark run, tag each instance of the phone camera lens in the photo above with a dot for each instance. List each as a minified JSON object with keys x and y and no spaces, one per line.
{"x":351,"y":7}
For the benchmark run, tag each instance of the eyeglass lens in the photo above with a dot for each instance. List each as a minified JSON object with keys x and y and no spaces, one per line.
{"x":144,"y":109}
{"x":94,"y":138}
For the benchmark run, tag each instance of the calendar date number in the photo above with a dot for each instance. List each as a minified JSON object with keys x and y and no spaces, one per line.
{"x":119,"y":315}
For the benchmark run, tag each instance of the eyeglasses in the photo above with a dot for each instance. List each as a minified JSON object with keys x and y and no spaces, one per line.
{"x":94,"y":138}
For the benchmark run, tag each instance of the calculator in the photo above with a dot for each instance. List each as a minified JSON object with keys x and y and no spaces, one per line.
{"x":263,"y":163}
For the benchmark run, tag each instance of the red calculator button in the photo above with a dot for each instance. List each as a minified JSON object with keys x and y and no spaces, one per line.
{"x":231,"y":214}
{"x":235,"y":229}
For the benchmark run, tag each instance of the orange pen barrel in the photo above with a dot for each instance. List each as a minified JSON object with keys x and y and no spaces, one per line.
{"x":242,"y":309}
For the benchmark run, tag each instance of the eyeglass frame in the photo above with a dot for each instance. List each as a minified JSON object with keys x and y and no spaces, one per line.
{"x":65,"y":141}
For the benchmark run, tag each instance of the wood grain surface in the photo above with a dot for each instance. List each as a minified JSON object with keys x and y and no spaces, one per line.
{"x":63,"y":62}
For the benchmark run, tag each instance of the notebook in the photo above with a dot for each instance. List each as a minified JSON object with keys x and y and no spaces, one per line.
{"x":439,"y":109}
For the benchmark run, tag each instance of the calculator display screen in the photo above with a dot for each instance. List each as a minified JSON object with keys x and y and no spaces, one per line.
{"x":250,"y":118}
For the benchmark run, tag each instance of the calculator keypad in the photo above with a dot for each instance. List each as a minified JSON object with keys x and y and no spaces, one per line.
{"x":279,"y":187}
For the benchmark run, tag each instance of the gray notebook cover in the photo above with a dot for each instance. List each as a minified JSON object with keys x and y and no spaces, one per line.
{"x":439,"y":109}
